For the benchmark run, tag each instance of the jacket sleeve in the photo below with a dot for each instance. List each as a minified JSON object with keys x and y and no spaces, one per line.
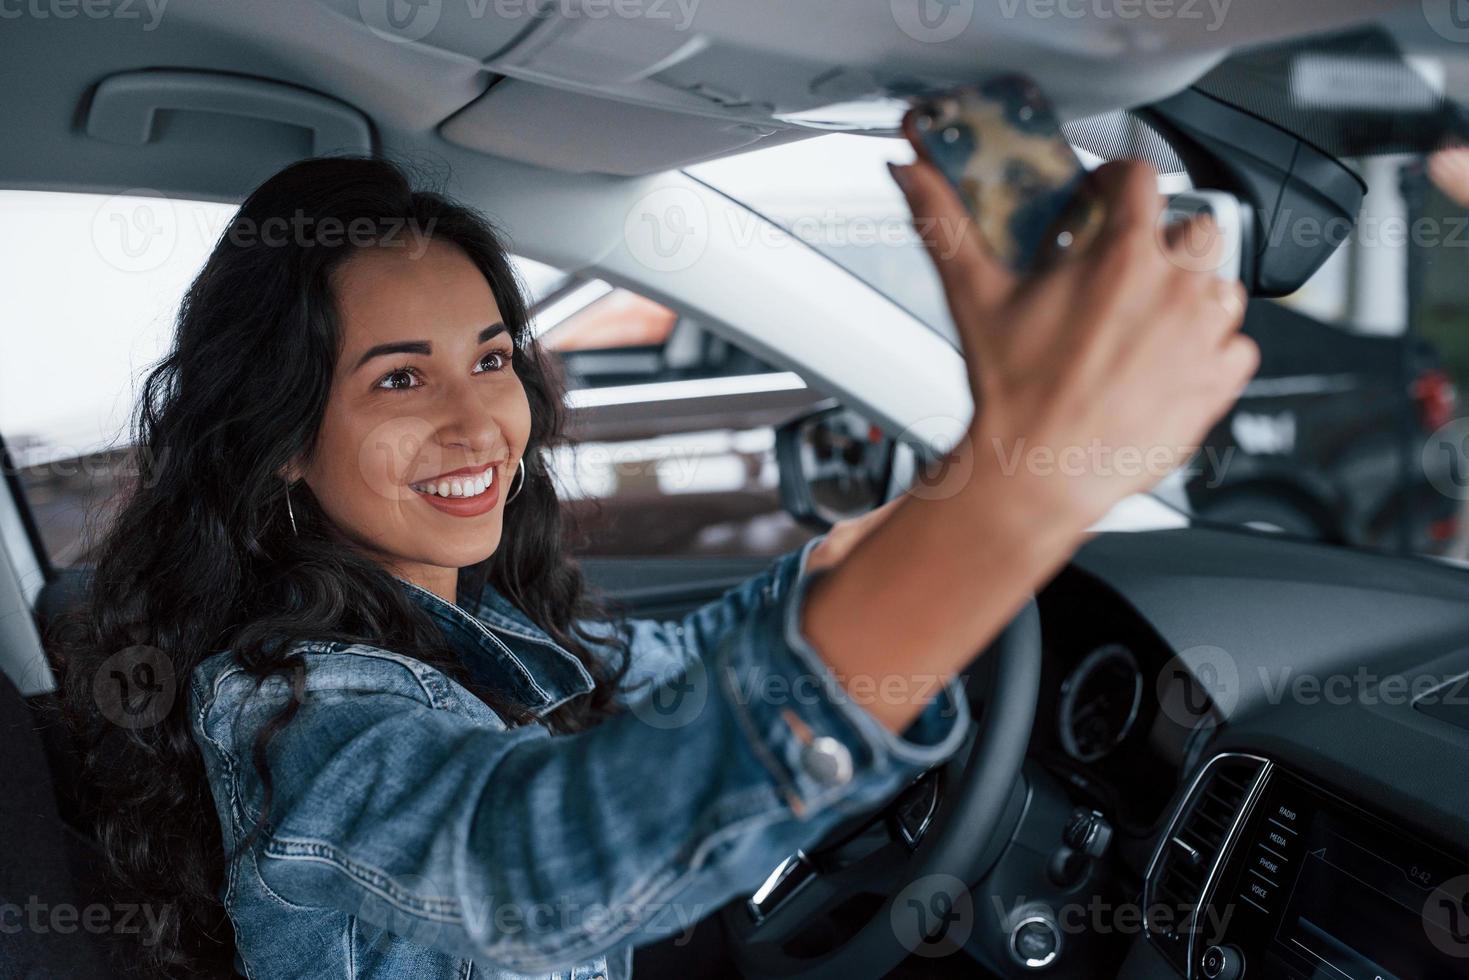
{"x":533,"y":852}
{"x":661,"y":650}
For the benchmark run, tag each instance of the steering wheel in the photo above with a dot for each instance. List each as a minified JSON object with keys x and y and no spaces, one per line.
{"x":922,"y":868}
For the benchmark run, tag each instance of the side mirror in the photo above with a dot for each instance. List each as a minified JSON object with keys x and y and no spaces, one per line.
{"x":834,"y":464}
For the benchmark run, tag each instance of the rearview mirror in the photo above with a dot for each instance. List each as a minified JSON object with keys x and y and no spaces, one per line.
{"x":1305,"y":202}
{"x":834,"y":464}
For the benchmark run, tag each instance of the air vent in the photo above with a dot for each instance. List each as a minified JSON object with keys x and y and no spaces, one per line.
{"x":1191,"y":849}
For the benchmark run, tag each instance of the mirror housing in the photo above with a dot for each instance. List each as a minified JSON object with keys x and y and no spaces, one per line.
{"x":1290,"y":185}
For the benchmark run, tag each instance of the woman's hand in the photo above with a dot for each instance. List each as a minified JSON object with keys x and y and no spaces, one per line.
{"x":1102,"y":374}
{"x":844,"y":535}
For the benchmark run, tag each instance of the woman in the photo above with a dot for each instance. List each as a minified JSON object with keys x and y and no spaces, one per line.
{"x":387,"y":731}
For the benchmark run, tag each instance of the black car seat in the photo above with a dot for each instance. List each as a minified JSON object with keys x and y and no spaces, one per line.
{"x":50,"y":902}
{"x":54,"y":918}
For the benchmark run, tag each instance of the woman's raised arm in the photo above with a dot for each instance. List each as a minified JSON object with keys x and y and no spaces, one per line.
{"x":1090,"y":383}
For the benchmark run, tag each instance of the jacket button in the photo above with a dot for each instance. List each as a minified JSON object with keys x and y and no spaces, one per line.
{"x":827,"y":761}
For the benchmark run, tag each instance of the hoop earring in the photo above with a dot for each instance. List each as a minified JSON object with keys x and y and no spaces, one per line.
{"x":289,"y":511}
{"x":521,"y":485}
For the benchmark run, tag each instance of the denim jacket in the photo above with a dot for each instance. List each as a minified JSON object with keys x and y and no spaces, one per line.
{"x":412,"y":833}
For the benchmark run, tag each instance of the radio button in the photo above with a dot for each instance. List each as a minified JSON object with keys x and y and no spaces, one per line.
{"x":1258,"y":891}
{"x":1269,"y":865}
{"x":1222,"y":963}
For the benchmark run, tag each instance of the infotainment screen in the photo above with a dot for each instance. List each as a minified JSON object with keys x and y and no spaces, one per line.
{"x":1317,"y":889}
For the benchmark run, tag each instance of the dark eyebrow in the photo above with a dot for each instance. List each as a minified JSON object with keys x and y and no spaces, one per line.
{"x":419,"y":346}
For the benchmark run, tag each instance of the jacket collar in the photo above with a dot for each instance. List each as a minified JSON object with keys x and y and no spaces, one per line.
{"x":504,"y":650}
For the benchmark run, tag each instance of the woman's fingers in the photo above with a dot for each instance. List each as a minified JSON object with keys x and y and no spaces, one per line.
{"x":1229,"y":297}
{"x":971,"y":275}
{"x":1197,"y":247}
{"x":1128,"y":190}
{"x":1238,"y":363}
{"x":844,"y":535}
{"x":1449,"y":170}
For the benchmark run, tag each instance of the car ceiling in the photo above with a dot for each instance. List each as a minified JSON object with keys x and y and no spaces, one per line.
{"x":619,"y":87}
{"x":555,"y":116}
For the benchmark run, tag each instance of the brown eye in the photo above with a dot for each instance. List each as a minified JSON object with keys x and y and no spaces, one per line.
{"x":401,"y":378}
{"x":494,"y":360}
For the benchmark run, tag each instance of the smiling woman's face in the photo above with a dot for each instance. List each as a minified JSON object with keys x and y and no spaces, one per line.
{"x":426,"y":420}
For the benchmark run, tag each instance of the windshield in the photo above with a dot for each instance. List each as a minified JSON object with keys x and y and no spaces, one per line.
{"x":1352,"y":431}
{"x":833,"y":193}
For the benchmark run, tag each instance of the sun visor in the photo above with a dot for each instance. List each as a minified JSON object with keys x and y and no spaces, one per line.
{"x":569,"y":131}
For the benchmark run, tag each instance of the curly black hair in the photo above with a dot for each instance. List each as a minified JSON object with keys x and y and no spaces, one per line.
{"x":201,"y":556}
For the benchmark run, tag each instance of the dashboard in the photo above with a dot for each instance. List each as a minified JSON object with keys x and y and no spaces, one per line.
{"x":1105,"y":723}
{"x":1248,"y":760}
{"x":1301,"y":884}
{"x":1286,"y":725}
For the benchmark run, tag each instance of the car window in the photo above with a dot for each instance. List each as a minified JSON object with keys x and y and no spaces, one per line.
{"x":93,"y":287}
{"x":674,"y":448}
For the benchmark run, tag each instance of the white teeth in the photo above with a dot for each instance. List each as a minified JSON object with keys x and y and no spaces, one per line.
{"x":459,"y":487}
